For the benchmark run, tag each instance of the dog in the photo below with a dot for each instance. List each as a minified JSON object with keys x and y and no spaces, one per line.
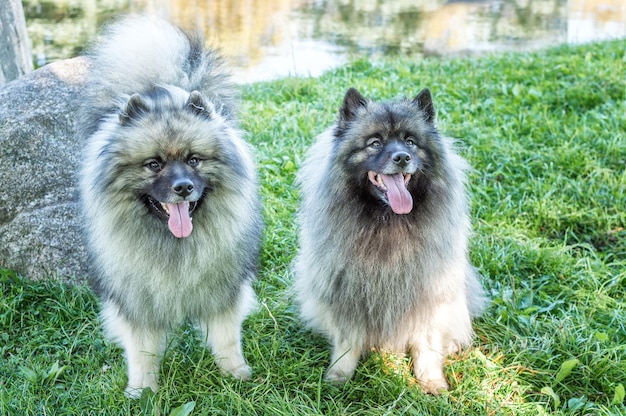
{"x":383,"y":239}
{"x":169,"y":195}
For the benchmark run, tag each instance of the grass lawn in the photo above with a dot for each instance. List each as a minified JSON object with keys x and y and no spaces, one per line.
{"x":545,"y":133}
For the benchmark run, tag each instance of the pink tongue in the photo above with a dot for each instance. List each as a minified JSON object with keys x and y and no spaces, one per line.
{"x":399,"y":197}
{"x":179,"y":222}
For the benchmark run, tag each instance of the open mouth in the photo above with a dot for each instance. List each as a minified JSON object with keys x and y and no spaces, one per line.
{"x":377,"y":179}
{"x":177,"y":215}
{"x":163,"y":210}
{"x":395,"y":188}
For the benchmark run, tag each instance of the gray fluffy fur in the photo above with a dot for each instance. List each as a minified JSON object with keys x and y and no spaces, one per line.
{"x":159,"y":104}
{"x":367,"y":277}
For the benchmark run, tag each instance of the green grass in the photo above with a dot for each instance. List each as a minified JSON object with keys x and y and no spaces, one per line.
{"x":546,"y":135}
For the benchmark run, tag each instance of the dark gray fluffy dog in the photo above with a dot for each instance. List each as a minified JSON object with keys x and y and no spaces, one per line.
{"x":384,"y":229}
{"x":162,"y":148}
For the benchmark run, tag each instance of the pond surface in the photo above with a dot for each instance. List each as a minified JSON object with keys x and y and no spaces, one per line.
{"x":270,"y":39}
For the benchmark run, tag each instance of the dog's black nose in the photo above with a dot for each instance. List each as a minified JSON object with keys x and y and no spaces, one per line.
{"x":182,"y":187}
{"x":401,"y":158}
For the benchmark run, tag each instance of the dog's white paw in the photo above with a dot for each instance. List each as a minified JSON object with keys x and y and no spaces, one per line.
{"x":337,"y":376}
{"x":242,"y":372}
{"x":436,"y":386}
{"x":140,"y":380}
{"x":133,"y":392}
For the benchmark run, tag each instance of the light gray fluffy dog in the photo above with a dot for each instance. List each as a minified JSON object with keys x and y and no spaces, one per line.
{"x":384,"y":229}
{"x":162,"y":148}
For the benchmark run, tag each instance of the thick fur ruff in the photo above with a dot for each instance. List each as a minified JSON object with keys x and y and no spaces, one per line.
{"x":368,"y":277}
{"x":161,"y":136}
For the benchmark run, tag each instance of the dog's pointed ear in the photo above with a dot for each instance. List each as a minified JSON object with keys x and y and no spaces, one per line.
{"x":424,"y":102}
{"x":352,"y":101}
{"x":135,"y":108}
{"x":198,"y":106}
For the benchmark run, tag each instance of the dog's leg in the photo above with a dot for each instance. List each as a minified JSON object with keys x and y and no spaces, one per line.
{"x":143,"y":349}
{"x":448,"y":329}
{"x":343,"y":361}
{"x":428,"y":364}
{"x":346,"y":345}
{"x":222,"y":334}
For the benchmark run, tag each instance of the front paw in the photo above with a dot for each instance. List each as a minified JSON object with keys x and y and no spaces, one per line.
{"x":435,"y":386}
{"x":138,"y":381}
{"x":242,"y":372}
{"x":337,"y":376}
{"x":134,"y":392}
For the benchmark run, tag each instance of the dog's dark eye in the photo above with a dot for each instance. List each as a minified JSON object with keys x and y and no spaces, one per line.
{"x":193,"y":162}
{"x":410,"y":141}
{"x":374,"y":143}
{"x":154,"y":165}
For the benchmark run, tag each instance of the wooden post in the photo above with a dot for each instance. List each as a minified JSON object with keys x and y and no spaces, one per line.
{"x":15,"y":55}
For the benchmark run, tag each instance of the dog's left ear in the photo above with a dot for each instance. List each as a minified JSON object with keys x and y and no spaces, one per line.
{"x":425,"y":103}
{"x":135,"y":107}
{"x":352,"y":101}
{"x":196,"y":104}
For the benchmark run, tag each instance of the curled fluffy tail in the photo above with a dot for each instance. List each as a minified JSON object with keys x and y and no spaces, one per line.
{"x":137,"y":53}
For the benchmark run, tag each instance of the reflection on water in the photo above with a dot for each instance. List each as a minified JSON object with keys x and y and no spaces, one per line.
{"x":269,"y":39}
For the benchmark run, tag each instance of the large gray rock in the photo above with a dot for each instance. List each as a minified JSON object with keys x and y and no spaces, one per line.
{"x":39,"y":159}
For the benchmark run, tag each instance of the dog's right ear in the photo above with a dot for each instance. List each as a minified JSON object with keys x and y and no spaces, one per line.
{"x":424,"y":102}
{"x":135,"y":108}
{"x":198,"y":106}
{"x":352,"y":101}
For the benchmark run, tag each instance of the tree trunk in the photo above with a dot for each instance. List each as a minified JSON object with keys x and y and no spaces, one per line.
{"x":15,"y":55}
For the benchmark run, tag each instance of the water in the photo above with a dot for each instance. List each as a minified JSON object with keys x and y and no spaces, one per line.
{"x":270,"y":39}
